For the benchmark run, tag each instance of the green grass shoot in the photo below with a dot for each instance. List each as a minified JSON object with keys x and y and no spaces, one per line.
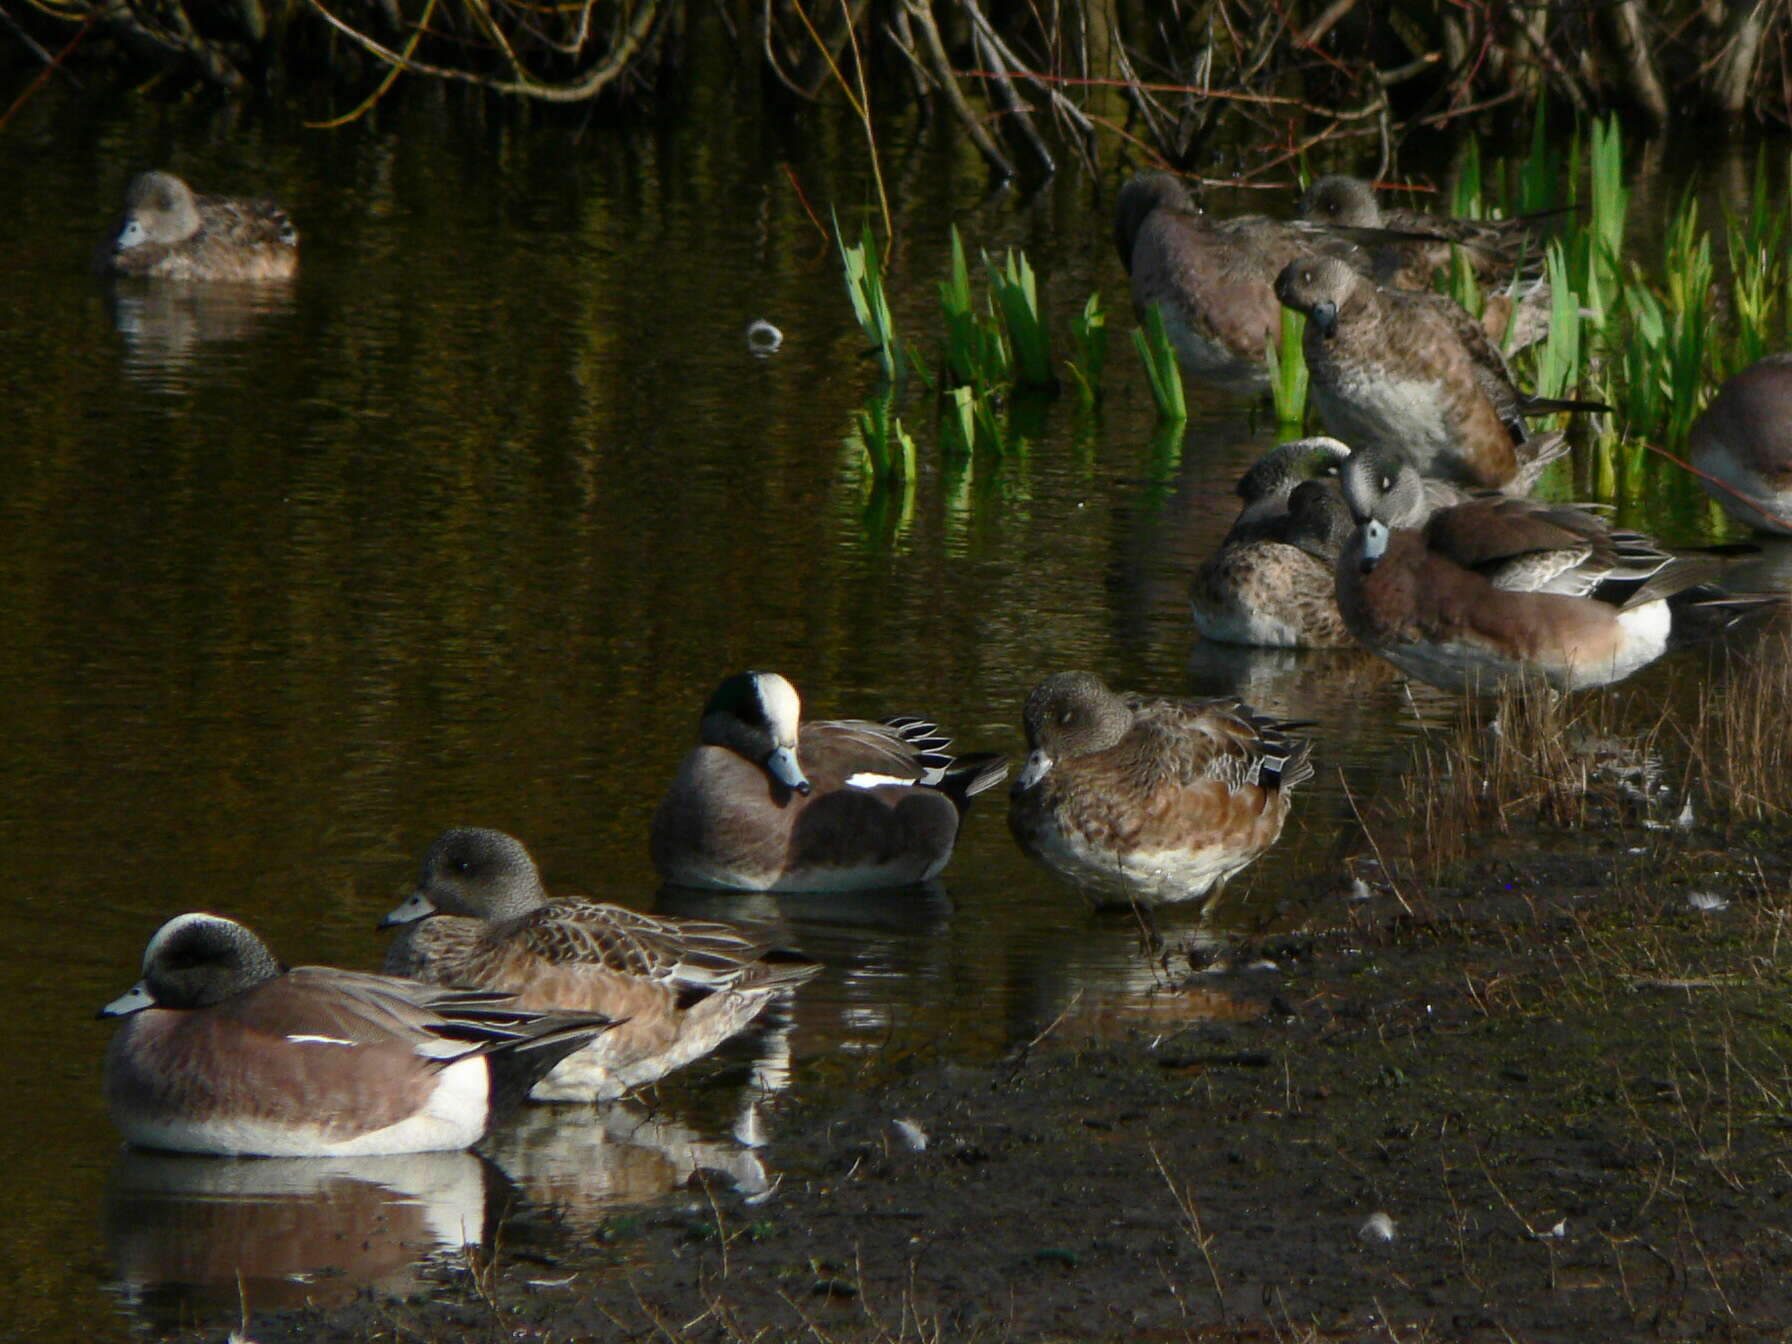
{"x":889,"y":449}
{"x":1089,"y":337}
{"x":974,"y":355}
{"x":865,"y":288}
{"x":1288,"y":374}
{"x":1161,"y":369}
{"x":1016,"y":293}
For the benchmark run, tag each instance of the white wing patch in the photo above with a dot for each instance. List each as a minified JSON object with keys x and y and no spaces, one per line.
{"x":870,"y":779}
{"x":318,"y":1040}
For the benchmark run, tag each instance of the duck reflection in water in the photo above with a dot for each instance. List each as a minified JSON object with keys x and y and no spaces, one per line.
{"x":183,"y":1232}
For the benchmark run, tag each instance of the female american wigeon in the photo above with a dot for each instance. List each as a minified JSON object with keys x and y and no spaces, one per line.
{"x":767,"y":802}
{"x":1744,"y":439}
{"x":1270,"y":582}
{"x":1407,"y":372}
{"x":677,"y":988}
{"x":1496,"y":588}
{"x":1149,"y":799}
{"x":223,"y":1051}
{"x":171,"y":233}
{"x":1492,"y":246}
{"x":1214,"y":279}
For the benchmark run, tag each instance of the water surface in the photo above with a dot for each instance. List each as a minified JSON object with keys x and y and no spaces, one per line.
{"x":461,"y":528}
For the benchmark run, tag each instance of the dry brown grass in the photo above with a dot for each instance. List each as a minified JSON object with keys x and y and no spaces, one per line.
{"x":1714,"y":751}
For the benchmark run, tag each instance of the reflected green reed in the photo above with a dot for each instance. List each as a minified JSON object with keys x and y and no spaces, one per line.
{"x":464,"y":527}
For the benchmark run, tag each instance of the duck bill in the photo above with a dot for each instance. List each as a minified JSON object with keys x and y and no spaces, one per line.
{"x":1375,"y":544}
{"x":133,"y":1000}
{"x":414,"y":907}
{"x":1324,"y":315}
{"x":1037,"y":766}
{"x":784,"y":769}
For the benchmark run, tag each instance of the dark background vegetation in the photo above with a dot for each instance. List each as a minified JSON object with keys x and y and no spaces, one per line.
{"x":1190,"y":83}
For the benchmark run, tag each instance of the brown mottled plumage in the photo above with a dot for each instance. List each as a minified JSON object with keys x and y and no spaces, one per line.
{"x":221,"y":1051}
{"x":1744,"y":438}
{"x":1149,"y":799}
{"x":1270,"y":581}
{"x":1214,"y":279}
{"x":677,"y":988}
{"x":1495,"y":247}
{"x":1410,"y":374}
{"x":170,"y":233}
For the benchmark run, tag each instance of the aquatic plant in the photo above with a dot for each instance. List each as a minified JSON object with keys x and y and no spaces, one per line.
{"x":1162,"y":371}
{"x":1556,"y":367}
{"x":865,"y":288}
{"x":973,"y":354}
{"x":1288,"y":375}
{"x":1029,"y":344}
{"x":889,"y":449}
{"x":1089,"y":338}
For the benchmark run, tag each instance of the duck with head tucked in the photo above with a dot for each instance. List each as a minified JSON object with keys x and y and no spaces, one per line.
{"x":1150,"y":799}
{"x":1270,"y":582}
{"x":677,"y":988}
{"x":169,"y":232}
{"x":222,"y":1050}
{"x":1495,"y":588}
{"x":1743,"y":439}
{"x":767,"y":802}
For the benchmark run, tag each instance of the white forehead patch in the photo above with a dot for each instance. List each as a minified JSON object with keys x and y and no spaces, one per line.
{"x":783,"y":707}
{"x":173,"y":927}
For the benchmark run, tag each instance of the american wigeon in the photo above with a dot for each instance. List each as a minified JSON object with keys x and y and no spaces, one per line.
{"x":1214,"y":279}
{"x":170,"y":233}
{"x":223,"y":1051}
{"x":769,"y":803}
{"x":1270,"y":581}
{"x":1744,"y":439}
{"x":1497,"y":588}
{"x":677,"y":988}
{"x":1149,"y":799}
{"x":1411,"y":373}
{"x":1494,"y":247}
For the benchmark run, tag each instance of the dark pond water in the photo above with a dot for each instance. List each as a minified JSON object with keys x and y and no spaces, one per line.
{"x":462,"y":529}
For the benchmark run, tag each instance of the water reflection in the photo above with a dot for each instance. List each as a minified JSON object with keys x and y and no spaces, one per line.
{"x":182,"y":1230}
{"x":168,"y":327}
{"x":583,"y":1163}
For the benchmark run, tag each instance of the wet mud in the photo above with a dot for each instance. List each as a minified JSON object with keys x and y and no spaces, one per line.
{"x":1543,"y":1101}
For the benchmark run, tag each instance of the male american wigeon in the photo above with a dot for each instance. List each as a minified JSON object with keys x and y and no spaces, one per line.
{"x":1149,"y":799}
{"x":1270,"y":582}
{"x":223,"y":1051}
{"x":1412,"y":373}
{"x":1494,"y":247}
{"x":171,"y":233}
{"x":1214,"y":279}
{"x":767,"y":802}
{"x":677,"y":988}
{"x":1497,"y":588}
{"x":1744,"y":439}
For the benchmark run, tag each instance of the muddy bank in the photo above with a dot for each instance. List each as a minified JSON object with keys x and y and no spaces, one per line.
{"x":1544,"y":1102}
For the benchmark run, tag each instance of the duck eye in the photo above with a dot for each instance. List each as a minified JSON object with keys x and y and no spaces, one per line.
{"x":462,"y":866}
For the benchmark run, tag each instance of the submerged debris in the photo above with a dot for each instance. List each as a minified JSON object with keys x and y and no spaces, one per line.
{"x":763,"y":338}
{"x":913,"y":1137}
{"x":1377,"y":1227}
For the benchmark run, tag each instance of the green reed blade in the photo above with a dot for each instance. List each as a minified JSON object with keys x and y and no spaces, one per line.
{"x":1089,"y":336}
{"x":1162,"y":372}
{"x":1016,"y":292}
{"x":1288,"y":374}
